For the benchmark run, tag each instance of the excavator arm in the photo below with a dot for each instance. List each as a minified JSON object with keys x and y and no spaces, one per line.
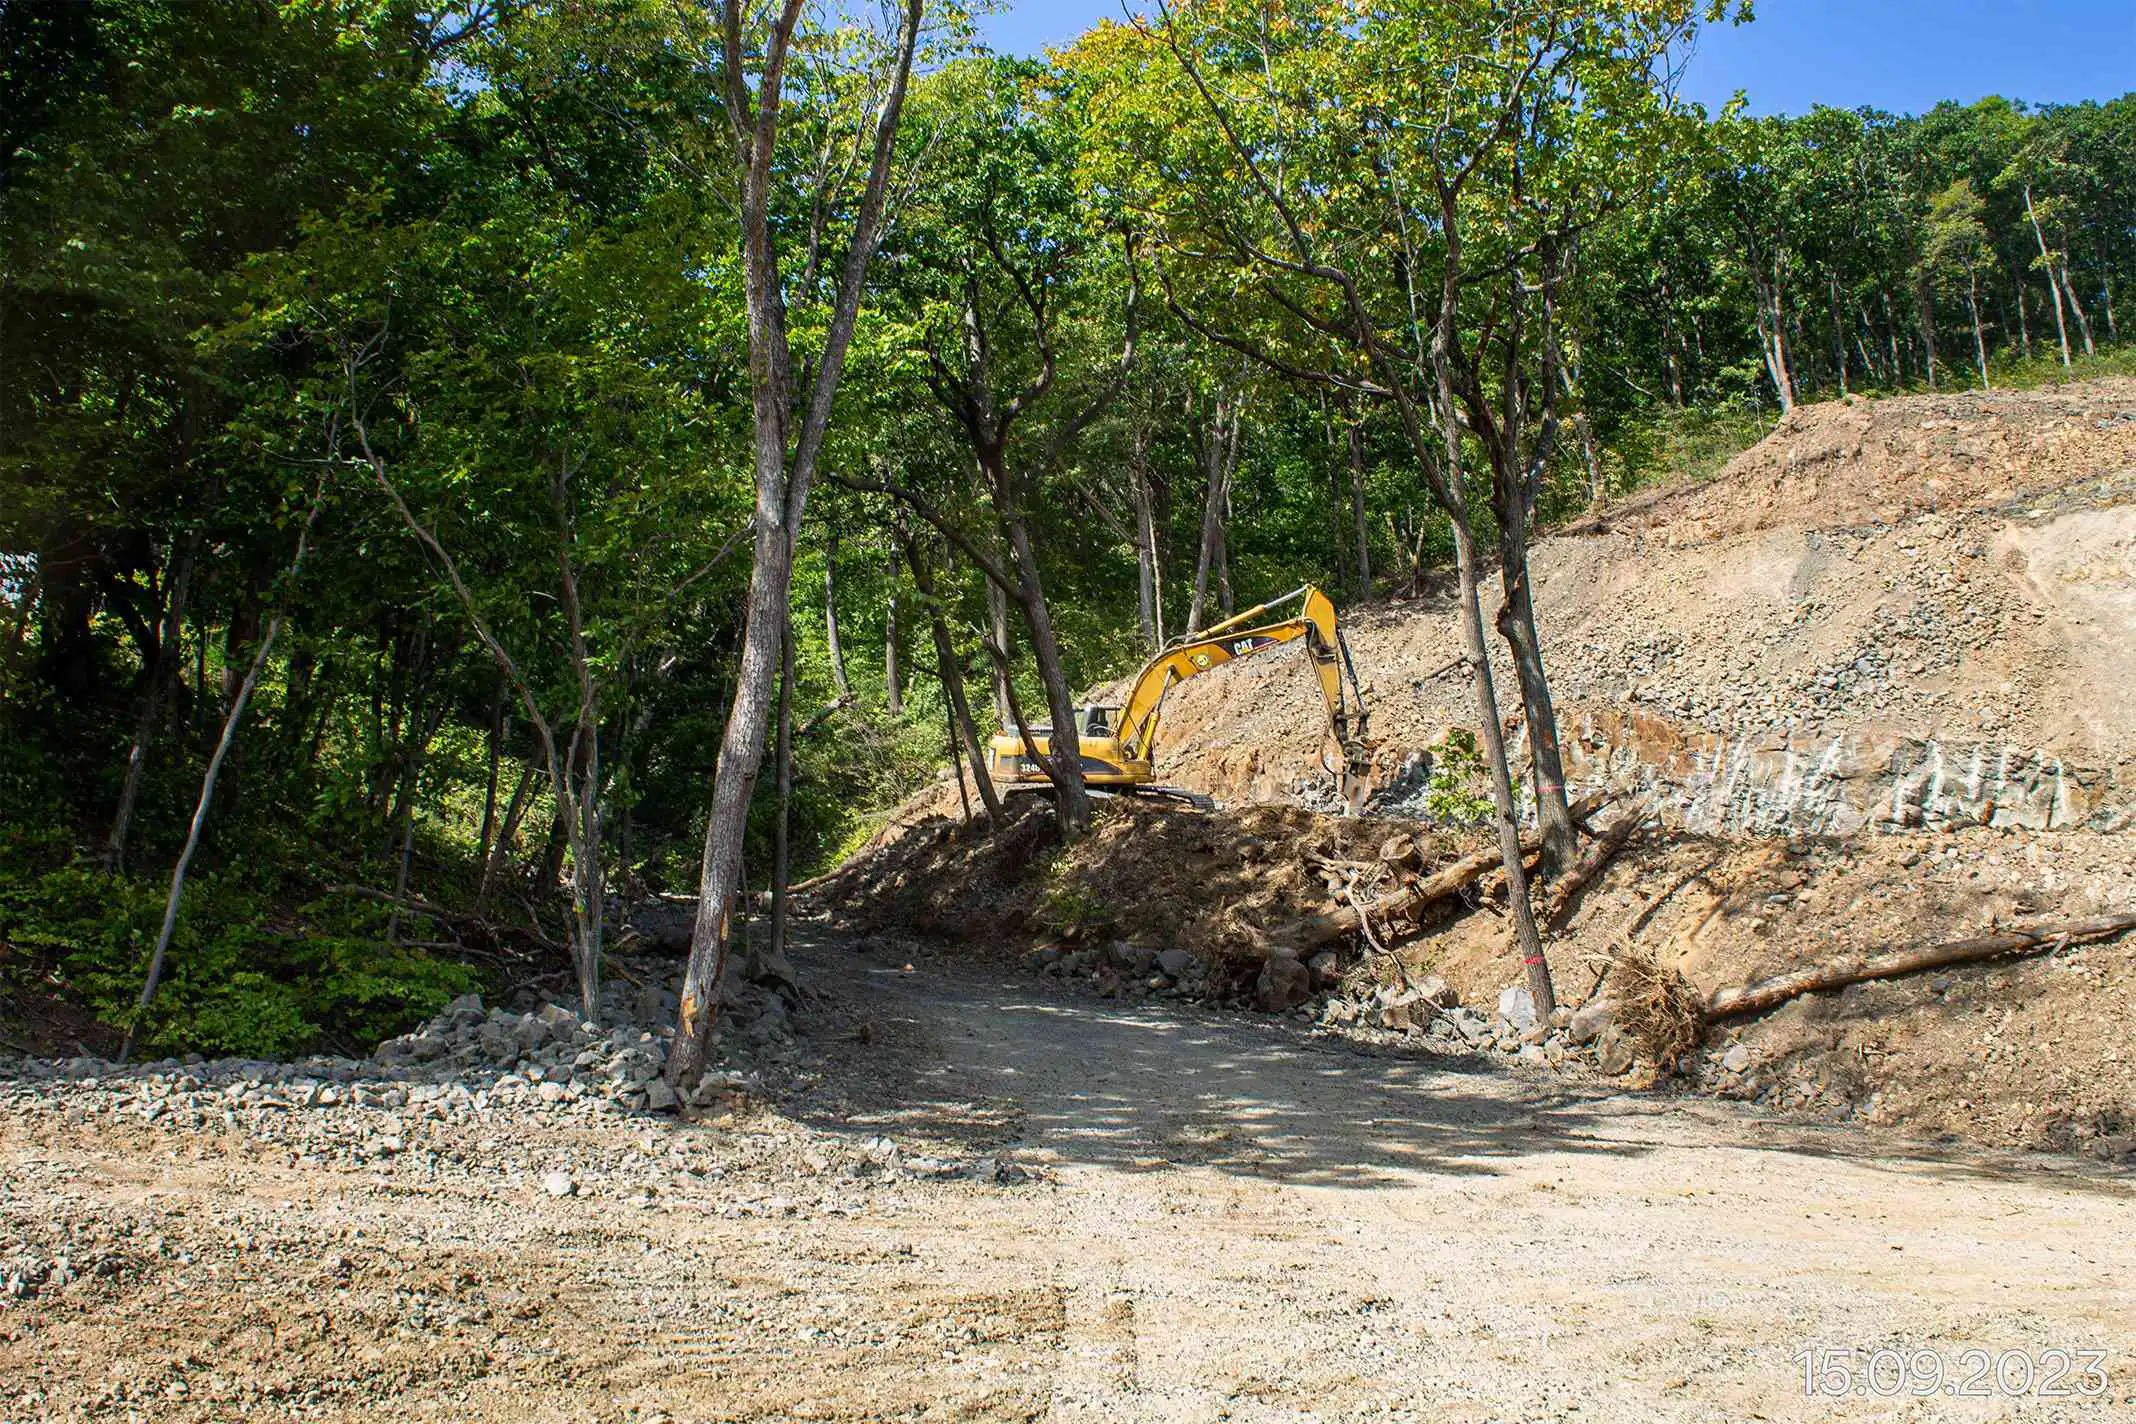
{"x":1241,"y":637}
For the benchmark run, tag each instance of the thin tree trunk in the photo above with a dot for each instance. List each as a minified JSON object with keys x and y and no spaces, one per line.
{"x":1149,"y":588}
{"x":159,"y":680}
{"x":951,"y":668}
{"x":781,"y":843}
{"x":1891,"y":338}
{"x":785,"y":465}
{"x":997,"y":627}
{"x":830,"y":615}
{"x":1448,"y":491}
{"x":1065,"y":752}
{"x":489,"y":785}
{"x":2024,"y":322}
{"x":893,"y":686}
{"x":1839,"y":330}
{"x":515,"y":812}
{"x":1360,"y":529}
{"x":231,"y":719}
{"x":1980,"y":340}
{"x":2077,"y":309}
{"x":1925,"y":311}
{"x":955,"y":750}
{"x":1772,"y":338}
{"x":2061,"y":325}
{"x":1217,"y":469}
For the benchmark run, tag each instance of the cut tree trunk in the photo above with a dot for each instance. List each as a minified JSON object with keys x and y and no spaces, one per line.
{"x":1769,"y":994}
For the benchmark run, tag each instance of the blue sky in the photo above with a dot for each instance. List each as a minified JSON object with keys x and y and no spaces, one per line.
{"x":1900,"y":55}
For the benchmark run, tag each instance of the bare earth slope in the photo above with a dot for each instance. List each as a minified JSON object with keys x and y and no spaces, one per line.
{"x":1916,"y":611}
{"x":1210,"y":1219}
{"x":1875,"y":681}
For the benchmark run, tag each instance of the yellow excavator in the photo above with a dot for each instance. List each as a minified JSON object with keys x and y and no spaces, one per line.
{"x":1119,"y":744}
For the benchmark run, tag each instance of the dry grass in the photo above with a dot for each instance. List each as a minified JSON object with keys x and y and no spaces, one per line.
{"x":1657,"y":1006}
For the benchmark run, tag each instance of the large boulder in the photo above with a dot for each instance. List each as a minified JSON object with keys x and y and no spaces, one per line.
{"x":1283,"y":984}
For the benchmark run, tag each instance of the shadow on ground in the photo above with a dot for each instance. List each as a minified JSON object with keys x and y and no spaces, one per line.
{"x":971,"y":1061}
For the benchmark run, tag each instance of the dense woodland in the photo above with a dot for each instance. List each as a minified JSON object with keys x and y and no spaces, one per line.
{"x":464,"y":469}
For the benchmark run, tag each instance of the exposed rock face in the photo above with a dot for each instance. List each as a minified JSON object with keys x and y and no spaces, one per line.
{"x":1840,"y":782}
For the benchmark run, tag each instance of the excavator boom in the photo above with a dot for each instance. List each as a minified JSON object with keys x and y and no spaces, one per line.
{"x":1119,"y":744}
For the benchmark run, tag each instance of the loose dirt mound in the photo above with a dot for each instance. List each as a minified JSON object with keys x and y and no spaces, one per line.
{"x":1843,"y":464}
{"x":1220,"y":886}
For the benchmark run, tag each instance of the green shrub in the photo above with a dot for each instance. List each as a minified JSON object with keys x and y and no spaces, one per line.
{"x":238,"y":980}
{"x":1459,"y":791}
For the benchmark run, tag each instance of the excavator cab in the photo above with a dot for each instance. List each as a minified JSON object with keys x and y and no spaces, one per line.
{"x":1119,"y":744}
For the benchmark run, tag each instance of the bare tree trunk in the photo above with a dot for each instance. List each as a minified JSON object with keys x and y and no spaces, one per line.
{"x":1149,"y":577}
{"x":1772,"y":340}
{"x":1597,"y":482}
{"x":1839,"y":329}
{"x":1671,"y":347}
{"x":496,"y":757}
{"x":1925,"y":312}
{"x":781,"y":845}
{"x":2054,"y":289}
{"x":1064,"y":756}
{"x":2077,"y":309}
{"x":830,"y":614}
{"x":1448,"y":492}
{"x":236,"y":714}
{"x":893,"y":686}
{"x":1224,"y":602}
{"x":1359,"y":527}
{"x":951,"y":667}
{"x":785,"y":460}
{"x":1219,"y":457}
{"x":1526,"y":936}
{"x":1980,"y":340}
{"x":515,"y":812}
{"x":997,"y":626}
{"x":159,"y":681}
{"x":2024,"y":322}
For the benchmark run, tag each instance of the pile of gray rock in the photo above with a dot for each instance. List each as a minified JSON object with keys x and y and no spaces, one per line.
{"x":1584,"y":1036}
{"x":467,"y":1059}
{"x":1136,"y":969}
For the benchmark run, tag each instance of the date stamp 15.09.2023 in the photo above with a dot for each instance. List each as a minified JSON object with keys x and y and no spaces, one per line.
{"x":1847,"y":1372}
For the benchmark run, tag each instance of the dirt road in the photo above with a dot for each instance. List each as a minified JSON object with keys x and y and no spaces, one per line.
{"x":1224,"y":1219}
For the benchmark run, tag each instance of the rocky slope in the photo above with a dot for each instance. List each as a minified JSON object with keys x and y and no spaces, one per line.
{"x":1871,"y":681}
{"x":1912,"y":612}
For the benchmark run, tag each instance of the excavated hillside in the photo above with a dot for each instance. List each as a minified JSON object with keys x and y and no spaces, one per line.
{"x":1872,"y":683}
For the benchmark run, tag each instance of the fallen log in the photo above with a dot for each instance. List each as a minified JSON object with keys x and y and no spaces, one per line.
{"x":1768,"y":994}
{"x":1599,"y":853}
{"x":1443,"y":883}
